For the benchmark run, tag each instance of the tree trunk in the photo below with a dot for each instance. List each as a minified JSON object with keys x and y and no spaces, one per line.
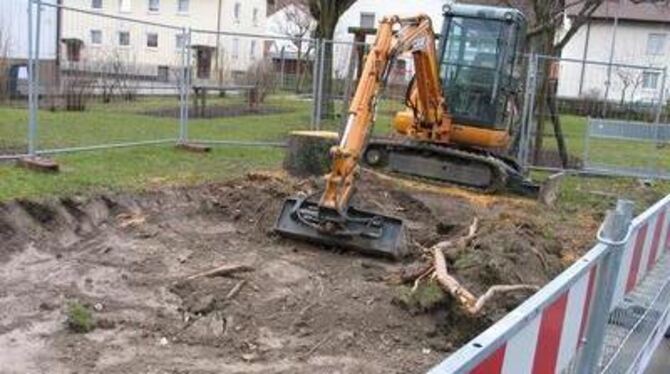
{"x":556,"y":120}
{"x":307,"y":152}
{"x":539,"y":131}
{"x":327,"y":94}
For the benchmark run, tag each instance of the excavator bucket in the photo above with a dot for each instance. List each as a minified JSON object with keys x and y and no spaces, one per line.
{"x":366,"y":232}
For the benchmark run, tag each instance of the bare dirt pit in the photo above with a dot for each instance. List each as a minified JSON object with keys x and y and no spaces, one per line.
{"x":219,"y":111}
{"x":301,"y":309}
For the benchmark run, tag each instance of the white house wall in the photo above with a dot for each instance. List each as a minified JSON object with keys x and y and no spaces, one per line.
{"x":631,"y":48}
{"x":202,"y":15}
{"x":381,"y":8}
{"x":14,"y":29}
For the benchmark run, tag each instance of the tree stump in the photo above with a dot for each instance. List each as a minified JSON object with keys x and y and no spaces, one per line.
{"x":307,"y":152}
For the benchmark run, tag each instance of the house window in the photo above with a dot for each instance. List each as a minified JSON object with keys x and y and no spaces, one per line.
{"x":656,"y":44}
{"x":180,"y":41}
{"x":125,"y":6}
{"x":96,"y":4}
{"x":255,"y":17}
{"x":236,"y":49}
{"x":96,"y":37}
{"x":237,"y":11}
{"x":154,"y":5}
{"x":152,"y":40}
{"x":73,"y":49}
{"x":650,"y":79}
{"x":124,"y":38}
{"x":182,"y":6}
{"x":163,"y":73}
{"x":252,"y":50}
{"x":368,"y":20}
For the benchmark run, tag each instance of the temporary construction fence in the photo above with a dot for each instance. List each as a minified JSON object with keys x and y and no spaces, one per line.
{"x":557,"y":101}
{"x":332,"y":96}
{"x":630,"y":148}
{"x":118,"y":81}
{"x":605,"y":313}
{"x":561,"y":96}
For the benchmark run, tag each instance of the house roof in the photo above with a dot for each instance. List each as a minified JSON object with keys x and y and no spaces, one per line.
{"x":281,"y":4}
{"x":631,"y":10}
{"x":638,"y":10}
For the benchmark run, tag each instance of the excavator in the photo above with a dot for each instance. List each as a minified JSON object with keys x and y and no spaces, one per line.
{"x":456,"y":127}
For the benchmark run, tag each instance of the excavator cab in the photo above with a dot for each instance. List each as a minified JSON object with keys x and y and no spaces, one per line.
{"x":478,"y":60}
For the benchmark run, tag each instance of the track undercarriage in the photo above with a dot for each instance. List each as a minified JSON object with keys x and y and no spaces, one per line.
{"x":470,"y":168}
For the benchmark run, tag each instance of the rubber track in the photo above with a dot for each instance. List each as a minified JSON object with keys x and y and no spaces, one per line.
{"x":497,"y":166}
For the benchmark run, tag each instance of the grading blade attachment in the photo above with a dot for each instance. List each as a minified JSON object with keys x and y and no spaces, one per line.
{"x":367,"y":232}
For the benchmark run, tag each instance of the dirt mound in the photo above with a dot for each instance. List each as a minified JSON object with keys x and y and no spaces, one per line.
{"x":301,"y":309}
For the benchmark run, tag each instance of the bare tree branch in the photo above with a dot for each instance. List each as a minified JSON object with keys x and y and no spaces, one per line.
{"x":582,"y":17}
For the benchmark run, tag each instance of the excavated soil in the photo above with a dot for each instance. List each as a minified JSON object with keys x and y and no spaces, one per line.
{"x":302,"y":309}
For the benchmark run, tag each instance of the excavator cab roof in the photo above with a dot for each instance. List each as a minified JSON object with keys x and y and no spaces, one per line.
{"x":484,"y":12}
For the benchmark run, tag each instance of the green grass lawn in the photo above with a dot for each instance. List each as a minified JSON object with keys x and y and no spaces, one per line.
{"x":125,"y":122}
{"x":139,"y":167}
{"x":610,"y":152}
{"x":134,"y":169}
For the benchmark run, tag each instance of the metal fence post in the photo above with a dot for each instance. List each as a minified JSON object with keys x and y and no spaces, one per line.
{"x":532,"y":87}
{"x":187,"y":82}
{"x":182,"y":88}
{"x":34,"y":30}
{"x":664,"y":99}
{"x":315,"y":81}
{"x":657,"y":124}
{"x":615,"y":228}
{"x":587,"y":142}
{"x":527,"y":110}
{"x":319,"y":108}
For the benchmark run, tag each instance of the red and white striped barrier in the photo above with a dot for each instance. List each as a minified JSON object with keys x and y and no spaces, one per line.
{"x":648,"y":240}
{"x":548,"y":343}
{"x":544,"y":334}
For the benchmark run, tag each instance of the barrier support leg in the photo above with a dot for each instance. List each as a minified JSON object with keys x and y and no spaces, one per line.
{"x":614,"y":229}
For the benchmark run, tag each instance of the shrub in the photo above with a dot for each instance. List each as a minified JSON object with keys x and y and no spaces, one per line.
{"x":79,"y":318}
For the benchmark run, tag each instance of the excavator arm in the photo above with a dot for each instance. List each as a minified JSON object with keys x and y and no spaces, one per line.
{"x":332,"y":220}
{"x":415,"y":35}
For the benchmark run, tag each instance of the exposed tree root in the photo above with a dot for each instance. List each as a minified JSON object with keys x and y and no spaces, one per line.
{"x":451,"y":285}
{"x":222,"y":271}
{"x":462,"y":241}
